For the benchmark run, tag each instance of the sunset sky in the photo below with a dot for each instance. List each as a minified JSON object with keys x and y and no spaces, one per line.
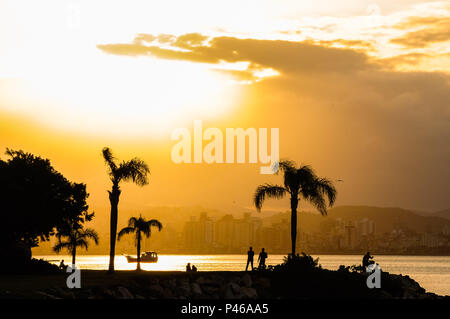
{"x":358,"y":89}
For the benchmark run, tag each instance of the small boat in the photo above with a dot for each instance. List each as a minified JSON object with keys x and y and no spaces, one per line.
{"x":147,"y":257}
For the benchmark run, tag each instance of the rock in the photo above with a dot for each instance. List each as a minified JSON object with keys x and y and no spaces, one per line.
{"x":234,"y":279}
{"x":201,"y":280}
{"x":155,"y":289}
{"x":249,"y":293}
{"x":108,"y":293}
{"x":209,"y":290}
{"x":195,"y":288}
{"x":167,"y":294}
{"x":235,"y":288}
{"x":227,"y":292}
{"x":261,"y":282}
{"x":47,"y":296}
{"x":123,"y":293}
{"x":382,"y":294}
{"x":246,"y":280}
{"x":184,"y":290}
{"x":171,"y":283}
{"x":66,"y":294}
{"x":183,"y":282}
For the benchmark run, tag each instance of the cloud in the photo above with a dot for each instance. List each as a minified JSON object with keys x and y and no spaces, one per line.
{"x":360,"y":44}
{"x":434,"y":30}
{"x":282,"y":56}
{"x":405,"y":59}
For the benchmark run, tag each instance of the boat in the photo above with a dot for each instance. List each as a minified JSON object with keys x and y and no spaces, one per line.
{"x":147,"y":257}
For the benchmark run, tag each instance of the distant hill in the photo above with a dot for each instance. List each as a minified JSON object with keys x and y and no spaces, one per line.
{"x":443,"y":214}
{"x":386,"y":218}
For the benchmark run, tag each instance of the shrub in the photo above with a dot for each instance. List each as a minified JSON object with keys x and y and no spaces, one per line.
{"x":298,"y":262}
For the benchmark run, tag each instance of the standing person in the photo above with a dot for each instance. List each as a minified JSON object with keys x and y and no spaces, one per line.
{"x":262,"y":259}
{"x":250,"y":255}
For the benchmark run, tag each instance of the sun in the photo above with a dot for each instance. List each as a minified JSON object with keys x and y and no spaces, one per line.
{"x":128,"y":95}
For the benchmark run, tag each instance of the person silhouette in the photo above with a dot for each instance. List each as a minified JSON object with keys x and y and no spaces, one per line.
{"x":250,"y":255}
{"x":62,"y":265}
{"x":366,"y":260}
{"x":262,"y":259}
{"x":194,"y":268}
{"x":188,"y":267}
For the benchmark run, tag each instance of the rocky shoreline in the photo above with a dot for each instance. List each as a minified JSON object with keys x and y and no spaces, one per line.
{"x":226,"y":285}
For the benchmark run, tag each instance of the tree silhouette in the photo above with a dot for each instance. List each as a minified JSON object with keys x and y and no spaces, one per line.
{"x":35,"y":199}
{"x":298,"y":183}
{"x":138,"y":226}
{"x":134,"y":170}
{"x":75,"y":238}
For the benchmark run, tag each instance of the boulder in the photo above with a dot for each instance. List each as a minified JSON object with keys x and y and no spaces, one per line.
{"x":123,"y":293}
{"x":262,"y":282}
{"x":47,"y":296}
{"x":183,"y":290}
{"x":195,"y":288}
{"x":167,"y":294}
{"x":209,"y":290}
{"x":235,"y":288}
{"x":228,"y":293}
{"x":246,"y":280}
{"x":249,"y":293}
{"x":155,"y":289}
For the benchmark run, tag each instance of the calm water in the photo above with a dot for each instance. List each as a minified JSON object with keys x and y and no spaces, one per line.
{"x":432,"y":272}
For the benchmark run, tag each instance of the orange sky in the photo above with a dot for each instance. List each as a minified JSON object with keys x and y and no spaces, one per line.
{"x":359,"y":91}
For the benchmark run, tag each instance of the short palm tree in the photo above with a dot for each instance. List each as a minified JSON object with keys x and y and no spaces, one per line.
{"x":138,"y":226}
{"x":298,"y":183}
{"x":134,"y":170}
{"x":75,"y":238}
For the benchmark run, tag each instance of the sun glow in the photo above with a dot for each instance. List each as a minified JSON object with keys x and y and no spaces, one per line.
{"x":133,"y":95}
{"x":60,"y":78}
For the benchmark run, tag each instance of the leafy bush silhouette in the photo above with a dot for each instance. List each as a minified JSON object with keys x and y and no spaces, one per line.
{"x":351,"y":269}
{"x":298,"y":263}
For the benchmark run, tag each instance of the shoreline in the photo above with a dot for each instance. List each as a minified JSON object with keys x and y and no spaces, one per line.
{"x":130,"y":284}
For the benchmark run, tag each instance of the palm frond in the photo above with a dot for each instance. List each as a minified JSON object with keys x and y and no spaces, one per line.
{"x":135,"y":170}
{"x":89,"y":233}
{"x":305,"y":173}
{"x":62,"y":245}
{"x":133,"y":222}
{"x":315,"y":192}
{"x":267,"y":190}
{"x":155,"y":223}
{"x":82,"y":242}
{"x":327,"y":188}
{"x":125,"y":231}
{"x":109,"y":159}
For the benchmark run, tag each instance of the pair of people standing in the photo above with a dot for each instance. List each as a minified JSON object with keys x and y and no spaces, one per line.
{"x":261,"y":258}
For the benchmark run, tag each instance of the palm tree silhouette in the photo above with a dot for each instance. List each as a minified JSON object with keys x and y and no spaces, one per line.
{"x":134,"y":170}
{"x":138,"y":226}
{"x":75,"y":238}
{"x":298,"y":183}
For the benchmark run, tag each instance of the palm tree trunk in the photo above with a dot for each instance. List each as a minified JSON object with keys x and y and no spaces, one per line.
{"x":138,"y":250}
{"x":294,"y":204}
{"x":114,"y":200}
{"x":74,"y":253}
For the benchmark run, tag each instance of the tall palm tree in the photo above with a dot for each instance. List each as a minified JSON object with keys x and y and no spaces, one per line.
{"x":298,"y":183}
{"x":75,"y":238}
{"x":134,"y":170}
{"x":138,"y":226}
